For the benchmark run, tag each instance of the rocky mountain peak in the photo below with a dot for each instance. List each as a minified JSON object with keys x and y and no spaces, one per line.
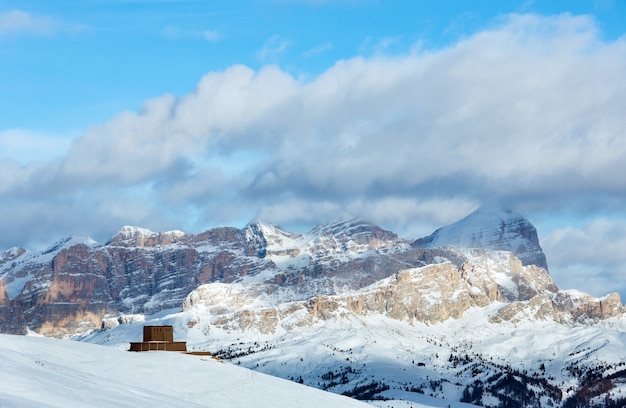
{"x":342,"y":226}
{"x":263,"y":237}
{"x":356,"y":230}
{"x":133,"y":236}
{"x":491,"y":227}
{"x":273,"y":235}
{"x":69,"y":242}
{"x":11,"y":254}
{"x":72,"y":285}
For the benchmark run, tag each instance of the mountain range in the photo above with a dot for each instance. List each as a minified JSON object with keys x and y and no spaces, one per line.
{"x":463,"y":314}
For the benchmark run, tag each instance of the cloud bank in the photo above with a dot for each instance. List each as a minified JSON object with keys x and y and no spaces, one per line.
{"x":529,"y":112}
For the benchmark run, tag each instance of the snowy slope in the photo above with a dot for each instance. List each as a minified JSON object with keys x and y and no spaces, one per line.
{"x":351,"y":308}
{"x":47,"y":373}
{"x":420,"y":363}
{"x":347,"y":344}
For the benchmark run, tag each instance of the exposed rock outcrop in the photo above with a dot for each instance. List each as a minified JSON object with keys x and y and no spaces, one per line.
{"x":430,"y":294}
{"x":75,"y":285}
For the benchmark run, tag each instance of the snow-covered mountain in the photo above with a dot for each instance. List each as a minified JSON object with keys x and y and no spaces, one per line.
{"x":346,"y":307}
{"x":491,"y":227}
{"x":475,"y":332}
{"x":70,"y":287}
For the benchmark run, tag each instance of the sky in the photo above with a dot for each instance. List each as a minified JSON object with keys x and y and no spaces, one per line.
{"x":188,"y":114}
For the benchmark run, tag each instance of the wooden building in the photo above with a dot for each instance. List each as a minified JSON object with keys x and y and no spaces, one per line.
{"x":158,"y":338}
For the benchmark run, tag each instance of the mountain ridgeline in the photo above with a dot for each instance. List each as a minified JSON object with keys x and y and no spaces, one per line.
{"x":72,"y":286}
{"x":347,"y":307}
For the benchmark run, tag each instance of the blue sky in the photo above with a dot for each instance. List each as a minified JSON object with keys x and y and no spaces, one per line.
{"x":194,"y":114}
{"x":82,"y":62}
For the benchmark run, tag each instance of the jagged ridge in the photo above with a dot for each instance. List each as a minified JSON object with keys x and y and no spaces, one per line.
{"x":73,"y":285}
{"x":341,"y":278}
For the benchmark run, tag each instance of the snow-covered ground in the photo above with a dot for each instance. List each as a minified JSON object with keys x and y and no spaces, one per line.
{"x":423,"y":364}
{"x":47,"y":373}
{"x":330,"y":344}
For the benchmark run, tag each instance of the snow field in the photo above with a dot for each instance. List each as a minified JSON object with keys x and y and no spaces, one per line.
{"x":52,"y":373}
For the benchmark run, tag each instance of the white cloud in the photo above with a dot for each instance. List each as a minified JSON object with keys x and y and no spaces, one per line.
{"x":374,"y":46}
{"x":600,"y":242}
{"x":15,"y":22}
{"x":529,"y":110}
{"x":273,"y":48}
{"x":19,"y":22}
{"x":318,"y":50}
{"x":590,"y":257}
{"x":463,"y":23}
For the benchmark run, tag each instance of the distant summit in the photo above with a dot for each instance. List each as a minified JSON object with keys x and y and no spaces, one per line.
{"x":491,"y":227}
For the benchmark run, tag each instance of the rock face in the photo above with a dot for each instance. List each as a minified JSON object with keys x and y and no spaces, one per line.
{"x":429,"y":294}
{"x":491,"y":227}
{"x":76,"y":285}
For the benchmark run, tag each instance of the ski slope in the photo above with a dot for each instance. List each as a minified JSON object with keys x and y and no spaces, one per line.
{"x":50,"y":373}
